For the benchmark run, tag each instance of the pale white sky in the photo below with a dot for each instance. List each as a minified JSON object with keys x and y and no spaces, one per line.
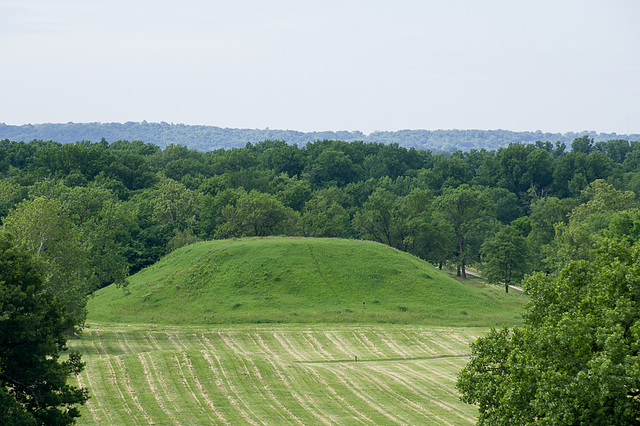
{"x":550,"y":65}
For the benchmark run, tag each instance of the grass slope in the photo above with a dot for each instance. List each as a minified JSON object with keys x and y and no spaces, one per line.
{"x":300,"y":280}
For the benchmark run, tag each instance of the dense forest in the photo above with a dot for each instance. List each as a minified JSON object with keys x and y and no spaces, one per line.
{"x":208,"y":138}
{"x":96,"y":212}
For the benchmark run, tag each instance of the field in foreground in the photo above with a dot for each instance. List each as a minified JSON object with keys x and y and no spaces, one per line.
{"x":275,"y":374}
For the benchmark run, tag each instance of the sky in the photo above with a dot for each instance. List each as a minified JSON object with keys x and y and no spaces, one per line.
{"x":374,"y":65}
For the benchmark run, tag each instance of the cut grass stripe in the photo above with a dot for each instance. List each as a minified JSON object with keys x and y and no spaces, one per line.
{"x":130,"y":391}
{"x":374,"y":376}
{"x":90,"y":403}
{"x":355,"y":386}
{"x":402,"y":377}
{"x":154,"y":390}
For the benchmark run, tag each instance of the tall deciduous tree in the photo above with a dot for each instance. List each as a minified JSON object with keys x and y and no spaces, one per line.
{"x":333,"y":168}
{"x":424,"y":235}
{"x":104,"y":225}
{"x":377,"y":221}
{"x":291,"y":191}
{"x":44,"y":228}
{"x":506,"y":255}
{"x":468,"y":213}
{"x":78,"y":235}
{"x":576,"y":358}
{"x":33,"y":326}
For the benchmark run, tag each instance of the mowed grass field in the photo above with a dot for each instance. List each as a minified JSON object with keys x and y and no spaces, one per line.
{"x":266,"y":331}
{"x":274,"y":375}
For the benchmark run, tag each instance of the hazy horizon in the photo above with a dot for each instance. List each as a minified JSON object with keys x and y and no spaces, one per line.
{"x":349,"y":65}
{"x":583,"y":131}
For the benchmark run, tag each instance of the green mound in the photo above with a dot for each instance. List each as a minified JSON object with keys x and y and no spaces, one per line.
{"x":262,"y":280}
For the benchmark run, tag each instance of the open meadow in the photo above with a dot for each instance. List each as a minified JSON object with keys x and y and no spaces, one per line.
{"x":274,"y":374}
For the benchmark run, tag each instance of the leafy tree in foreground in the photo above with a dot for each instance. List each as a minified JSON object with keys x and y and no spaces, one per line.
{"x":576,"y":358}
{"x":42,"y":226}
{"x":33,"y":380}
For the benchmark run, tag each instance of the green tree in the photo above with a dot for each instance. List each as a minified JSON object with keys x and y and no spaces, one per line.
{"x":79,"y":235}
{"x":280,"y":157}
{"x":180,"y":239}
{"x":583,"y":144}
{"x":44,"y":228}
{"x":290,"y":191}
{"x":616,"y":149}
{"x":324,"y":216}
{"x":107,"y":235}
{"x":575,"y":170}
{"x":576,"y":358}
{"x":176,"y":205}
{"x":546,"y":212}
{"x":177,"y":161}
{"x":445,"y":173}
{"x":506,"y":205}
{"x":258,"y":214}
{"x":467,"y":212}
{"x":148,"y":240}
{"x":333,"y":168}
{"x":519,"y":167}
{"x":506,"y":257}
{"x":211,"y":209}
{"x":377,"y":220}
{"x":625,"y":225}
{"x":33,"y":379}
{"x":9,"y":193}
{"x":587,"y":221}
{"x":104,"y":224}
{"x":423,"y":234}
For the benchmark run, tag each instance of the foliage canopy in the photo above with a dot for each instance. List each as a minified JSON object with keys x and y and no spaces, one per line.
{"x":33,"y":379}
{"x":576,"y":358}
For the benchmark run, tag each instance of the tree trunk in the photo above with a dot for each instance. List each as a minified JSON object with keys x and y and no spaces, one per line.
{"x":461,"y":251}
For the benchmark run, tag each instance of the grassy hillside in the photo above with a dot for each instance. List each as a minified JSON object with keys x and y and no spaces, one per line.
{"x":300,"y":280}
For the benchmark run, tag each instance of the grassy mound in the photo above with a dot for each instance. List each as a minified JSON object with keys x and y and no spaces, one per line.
{"x":303,"y":280}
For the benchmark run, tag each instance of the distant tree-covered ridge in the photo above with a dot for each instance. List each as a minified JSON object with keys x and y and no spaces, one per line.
{"x":208,"y":138}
